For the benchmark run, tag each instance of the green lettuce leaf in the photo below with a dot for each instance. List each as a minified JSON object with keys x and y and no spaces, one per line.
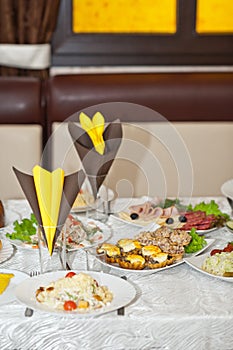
{"x":211,"y":208}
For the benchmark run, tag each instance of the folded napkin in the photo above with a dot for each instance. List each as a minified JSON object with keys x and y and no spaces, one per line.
{"x":97,"y":152}
{"x":51,"y":196}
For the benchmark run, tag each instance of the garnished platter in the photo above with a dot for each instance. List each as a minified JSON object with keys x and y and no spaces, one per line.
{"x":151,"y":250}
{"x":147,"y":271}
{"x":204,"y":217}
{"x":85,"y":233}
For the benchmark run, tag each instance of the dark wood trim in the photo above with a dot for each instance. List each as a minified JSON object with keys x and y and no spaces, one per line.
{"x":185,"y":47}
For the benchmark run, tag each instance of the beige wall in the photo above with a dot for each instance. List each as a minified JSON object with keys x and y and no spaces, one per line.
{"x":162,"y":159}
{"x":144,"y":164}
{"x":20,"y":147}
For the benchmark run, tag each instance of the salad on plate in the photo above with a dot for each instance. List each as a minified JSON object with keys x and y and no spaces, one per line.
{"x":218,"y":263}
{"x":79,"y":234}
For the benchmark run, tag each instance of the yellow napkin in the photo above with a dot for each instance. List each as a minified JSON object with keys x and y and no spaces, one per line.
{"x":95,"y":129}
{"x":4,"y":281}
{"x":49,"y":188}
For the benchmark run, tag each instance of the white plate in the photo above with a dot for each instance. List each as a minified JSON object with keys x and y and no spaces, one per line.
{"x":229,"y":229}
{"x":9,"y":295}
{"x":6,"y":252}
{"x":103,"y":236}
{"x":145,"y":223}
{"x":149,"y":271}
{"x":202,"y":232}
{"x":105,"y":233}
{"x":104,"y":195}
{"x":123,"y":292}
{"x":227,"y":189}
{"x":132,"y":222}
{"x":11,"y":216}
{"x":80,"y":209}
{"x":197,"y":261}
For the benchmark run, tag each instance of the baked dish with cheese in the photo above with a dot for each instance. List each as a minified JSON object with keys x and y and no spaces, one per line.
{"x":148,"y":250}
{"x":159,"y":260}
{"x":148,"y":256}
{"x":131,"y":246}
{"x":132,"y":261}
{"x":111,"y":251}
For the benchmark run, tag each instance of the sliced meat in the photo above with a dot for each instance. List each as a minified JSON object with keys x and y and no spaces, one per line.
{"x":198,"y":220}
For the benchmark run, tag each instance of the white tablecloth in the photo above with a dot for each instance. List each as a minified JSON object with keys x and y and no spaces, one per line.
{"x":178,"y":308}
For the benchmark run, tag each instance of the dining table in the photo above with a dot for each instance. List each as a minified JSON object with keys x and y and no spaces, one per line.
{"x":175,"y":308}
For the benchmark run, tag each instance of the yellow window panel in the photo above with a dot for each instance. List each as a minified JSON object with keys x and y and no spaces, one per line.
{"x":214,"y":16}
{"x":124,"y":16}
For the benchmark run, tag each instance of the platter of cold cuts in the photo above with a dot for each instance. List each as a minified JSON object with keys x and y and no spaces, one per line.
{"x":204,"y":217}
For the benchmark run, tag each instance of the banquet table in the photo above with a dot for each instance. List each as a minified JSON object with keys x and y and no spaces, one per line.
{"x":178,"y":308}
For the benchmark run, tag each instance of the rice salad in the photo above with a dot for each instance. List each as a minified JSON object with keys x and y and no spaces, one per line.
{"x":79,"y":292}
{"x":219,"y":263}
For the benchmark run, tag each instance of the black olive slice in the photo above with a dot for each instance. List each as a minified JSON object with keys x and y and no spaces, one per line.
{"x":182,"y":218}
{"x":169,"y":221}
{"x":134,"y":216}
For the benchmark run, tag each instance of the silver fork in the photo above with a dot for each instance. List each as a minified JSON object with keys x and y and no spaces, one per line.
{"x":29,"y":312}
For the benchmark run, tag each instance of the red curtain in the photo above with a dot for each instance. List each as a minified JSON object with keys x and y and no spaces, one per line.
{"x":27,"y":22}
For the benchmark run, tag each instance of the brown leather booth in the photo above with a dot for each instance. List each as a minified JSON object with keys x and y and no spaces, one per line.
{"x":181,"y":97}
{"x":21,"y":100}
{"x":200,"y":105}
{"x":177,"y":96}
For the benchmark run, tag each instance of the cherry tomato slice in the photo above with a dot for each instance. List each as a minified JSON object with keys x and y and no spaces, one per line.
{"x":70,"y":305}
{"x":227,"y":249}
{"x":215,"y":251}
{"x":70,"y":274}
{"x":230,"y":246}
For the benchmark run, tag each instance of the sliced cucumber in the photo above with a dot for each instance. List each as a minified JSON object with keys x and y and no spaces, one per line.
{"x":229,"y":224}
